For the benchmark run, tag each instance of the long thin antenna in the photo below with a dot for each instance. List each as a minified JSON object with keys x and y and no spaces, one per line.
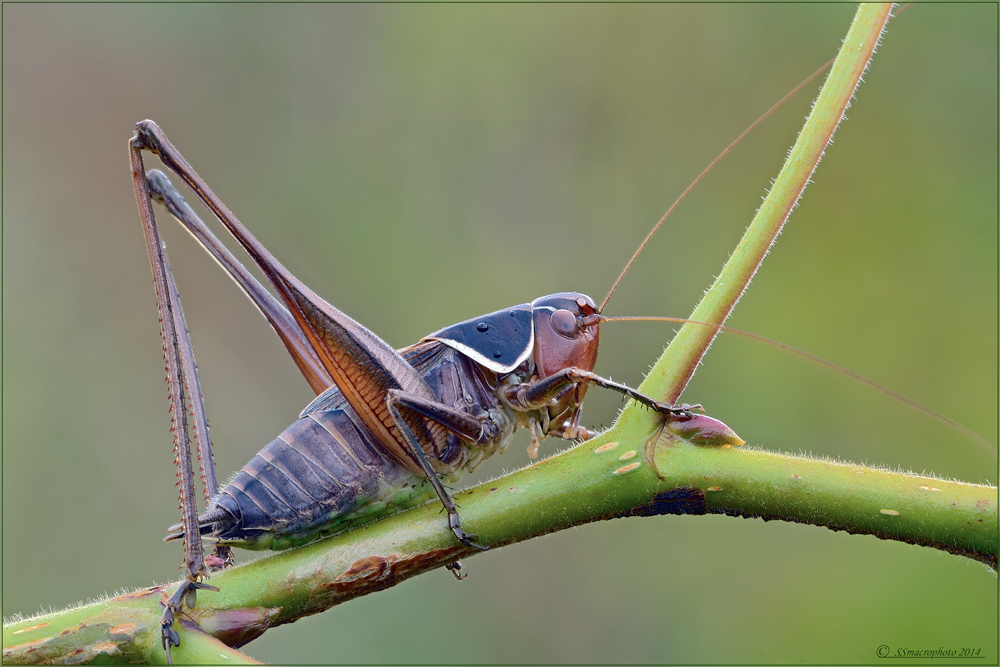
{"x":704,"y":172}
{"x":829,"y":364}
{"x":716,"y":160}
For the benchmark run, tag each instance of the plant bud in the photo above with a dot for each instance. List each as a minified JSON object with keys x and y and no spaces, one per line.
{"x":703,"y":430}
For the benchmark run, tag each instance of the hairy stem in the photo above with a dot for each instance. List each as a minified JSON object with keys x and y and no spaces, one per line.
{"x":675,"y":367}
{"x":607,"y":478}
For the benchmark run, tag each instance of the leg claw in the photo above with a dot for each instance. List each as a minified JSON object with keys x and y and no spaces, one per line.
{"x":170,"y":638}
{"x":456,"y":569}
{"x":684,"y":410}
{"x":462,"y":536}
{"x":185,"y":594}
{"x":467,"y":539}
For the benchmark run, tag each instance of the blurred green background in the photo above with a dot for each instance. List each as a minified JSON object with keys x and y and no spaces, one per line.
{"x":420,"y":165}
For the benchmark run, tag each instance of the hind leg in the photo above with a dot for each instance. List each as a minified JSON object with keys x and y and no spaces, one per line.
{"x":184,"y":391}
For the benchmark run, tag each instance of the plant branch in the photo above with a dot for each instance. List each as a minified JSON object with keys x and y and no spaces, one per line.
{"x":603,"y":479}
{"x":675,"y":367}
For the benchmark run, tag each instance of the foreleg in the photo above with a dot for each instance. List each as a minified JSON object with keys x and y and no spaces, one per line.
{"x":534,"y":396}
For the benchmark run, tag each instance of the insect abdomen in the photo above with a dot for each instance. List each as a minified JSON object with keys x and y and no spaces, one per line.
{"x":318,"y":478}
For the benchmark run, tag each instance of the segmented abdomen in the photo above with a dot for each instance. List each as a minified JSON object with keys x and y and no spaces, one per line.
{"x":319,"y":477}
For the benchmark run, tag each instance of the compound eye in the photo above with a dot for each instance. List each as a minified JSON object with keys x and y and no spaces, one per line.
{"x":564,"y":323}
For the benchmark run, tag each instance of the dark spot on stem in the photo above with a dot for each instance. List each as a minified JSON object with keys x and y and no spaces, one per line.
{"x":682,"y":500}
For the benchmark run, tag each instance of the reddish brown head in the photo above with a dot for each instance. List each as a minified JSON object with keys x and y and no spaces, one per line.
{"x":566,"y":332}
{"x":566,"y":335}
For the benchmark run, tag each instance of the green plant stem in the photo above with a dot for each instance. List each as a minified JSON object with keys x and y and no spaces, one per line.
{"x":590,"y":482}
{"x":122,"y":630}
{"x":678,"y":362}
